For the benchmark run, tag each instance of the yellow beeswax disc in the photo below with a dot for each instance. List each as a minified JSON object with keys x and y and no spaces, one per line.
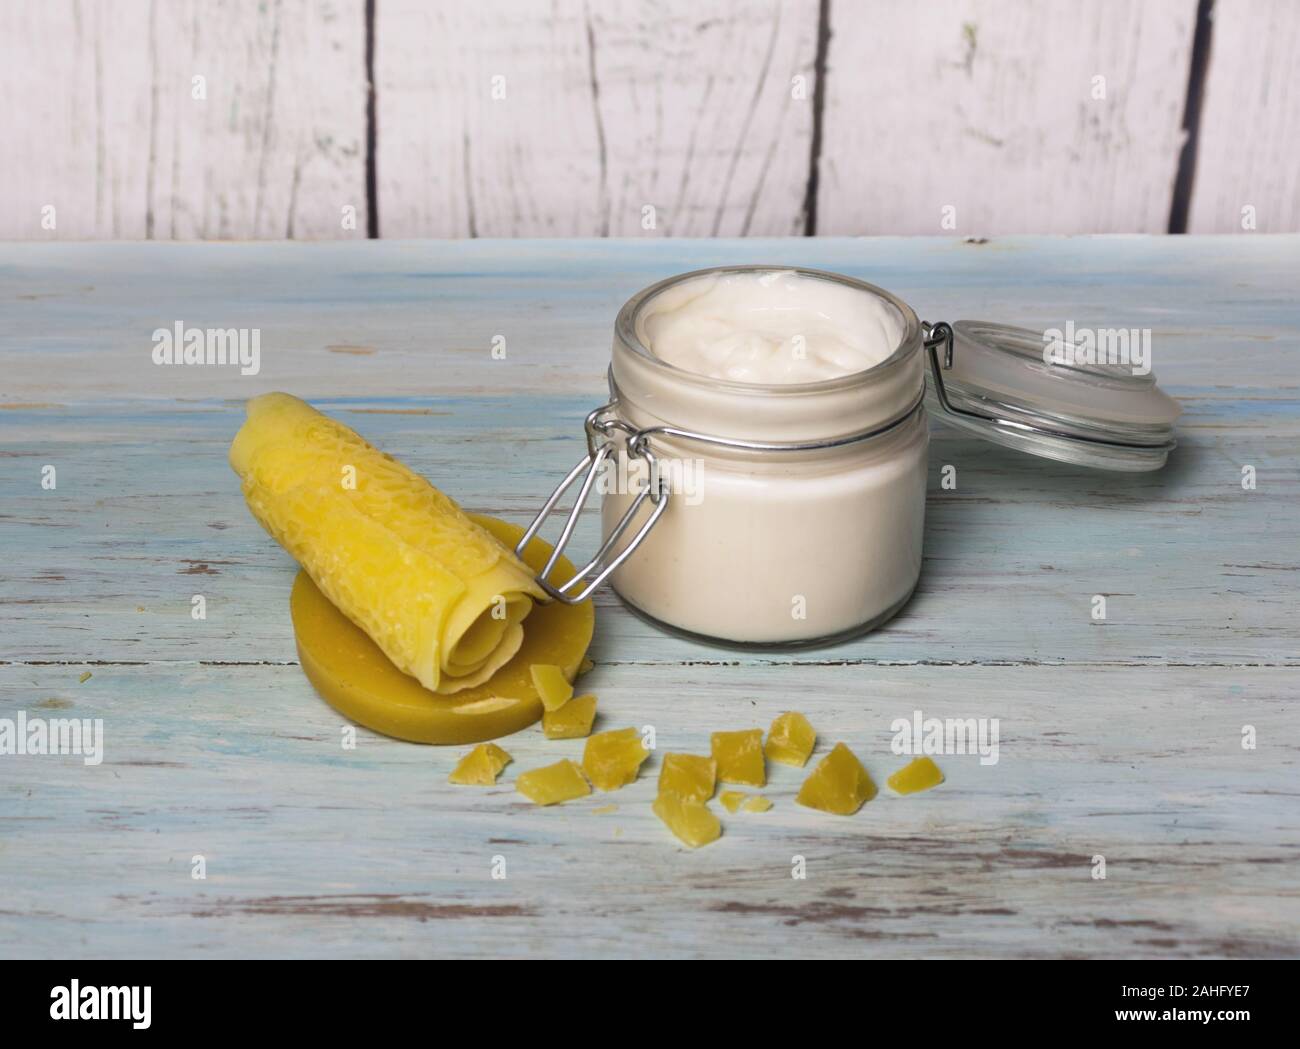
{"x":358,"y":680}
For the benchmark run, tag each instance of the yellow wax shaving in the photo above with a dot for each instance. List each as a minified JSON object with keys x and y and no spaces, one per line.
{"x":838,"y":785}
{"x":757,"y":803}
{"x":480,"y":767}
{"x":917,"y":775}
{"x":571,"y":721}
{"x":553,"y":784}
{"x":551,"y":684}
{"x":790,"y":740}
{"x":440,"y":596}
{"x":740,"y":757}
{"x":691,"y":821}
{"x":689,"y":776}
{"x":613,"y":759}
{"x":731,"y":799}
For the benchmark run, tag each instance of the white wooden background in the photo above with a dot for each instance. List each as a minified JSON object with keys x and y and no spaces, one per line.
{"x":728,"y":117}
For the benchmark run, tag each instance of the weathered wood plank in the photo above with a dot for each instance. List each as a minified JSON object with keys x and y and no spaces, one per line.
{"x":106,"y":127}
{"x":1246,"y":150}
{"x":989,"y":109}
{"x":313,"y":850}
{"x":90,"y":309}
{"x":701,"y":110}
{"x":509,"y":118}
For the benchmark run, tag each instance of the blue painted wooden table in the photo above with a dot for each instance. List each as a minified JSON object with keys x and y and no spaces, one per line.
{"x":1120,"y":739}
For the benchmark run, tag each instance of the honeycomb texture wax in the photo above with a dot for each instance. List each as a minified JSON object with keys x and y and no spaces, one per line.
{"x":553,"y":784}
{"x":439,"y":595}
{"x":740,"y":757}
{"x":790,"y":740}
{"x":359,"y":681}
{"x":839,"y":784}
{"x":613,"y":759}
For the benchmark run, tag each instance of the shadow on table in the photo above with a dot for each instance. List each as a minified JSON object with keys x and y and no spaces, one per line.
{"x":1000,"y":489}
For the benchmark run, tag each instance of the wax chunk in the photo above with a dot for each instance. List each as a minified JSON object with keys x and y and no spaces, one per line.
{"x":612,"y":759}
{"x":481,"y":766}
{"x":691,"y":821}
{"x":917,"y":775}
{"x":731,"y":799}
{"x":740,"y":757}
{"x":757,"y":803}
{"x":554,"y":688}
{"x":790,"y":740}
{"x":839,"y":784}
{"x":571,"y":721}
{"x":690,"y":776}
{"x":585,"y":666}
{"x":551,"y":784}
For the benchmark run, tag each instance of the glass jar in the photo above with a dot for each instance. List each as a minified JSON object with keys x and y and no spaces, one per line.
{"x":792,"y":514}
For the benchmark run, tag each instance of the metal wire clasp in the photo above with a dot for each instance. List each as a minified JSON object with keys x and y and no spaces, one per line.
{"x":602,"y":428}
{"x":605,"y":433}
{"x":939,"y":336}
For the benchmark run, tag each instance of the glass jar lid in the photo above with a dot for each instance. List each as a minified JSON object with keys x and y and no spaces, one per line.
{"x":1080,"y":397}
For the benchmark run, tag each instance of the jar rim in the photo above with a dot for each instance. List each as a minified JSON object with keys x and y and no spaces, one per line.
{"x":625,"y":330}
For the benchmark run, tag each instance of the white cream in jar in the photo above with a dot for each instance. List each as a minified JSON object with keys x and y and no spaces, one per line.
{"x":806,"y":443}
{"x":775,"y":326}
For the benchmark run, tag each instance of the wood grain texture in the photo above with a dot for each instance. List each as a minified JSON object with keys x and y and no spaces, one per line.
{"x":421,"y":307}
{"x":600,"y":111}
{"x":1121,"y":740}
{"x":988,"y":108}
{"x":1246,"y":151}
{"x":107,"y":129}
{"x":317,"y":851}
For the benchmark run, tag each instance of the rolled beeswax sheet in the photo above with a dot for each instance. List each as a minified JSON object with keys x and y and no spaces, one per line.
{"x":440,"y":596}
{"x":351,"y":673}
